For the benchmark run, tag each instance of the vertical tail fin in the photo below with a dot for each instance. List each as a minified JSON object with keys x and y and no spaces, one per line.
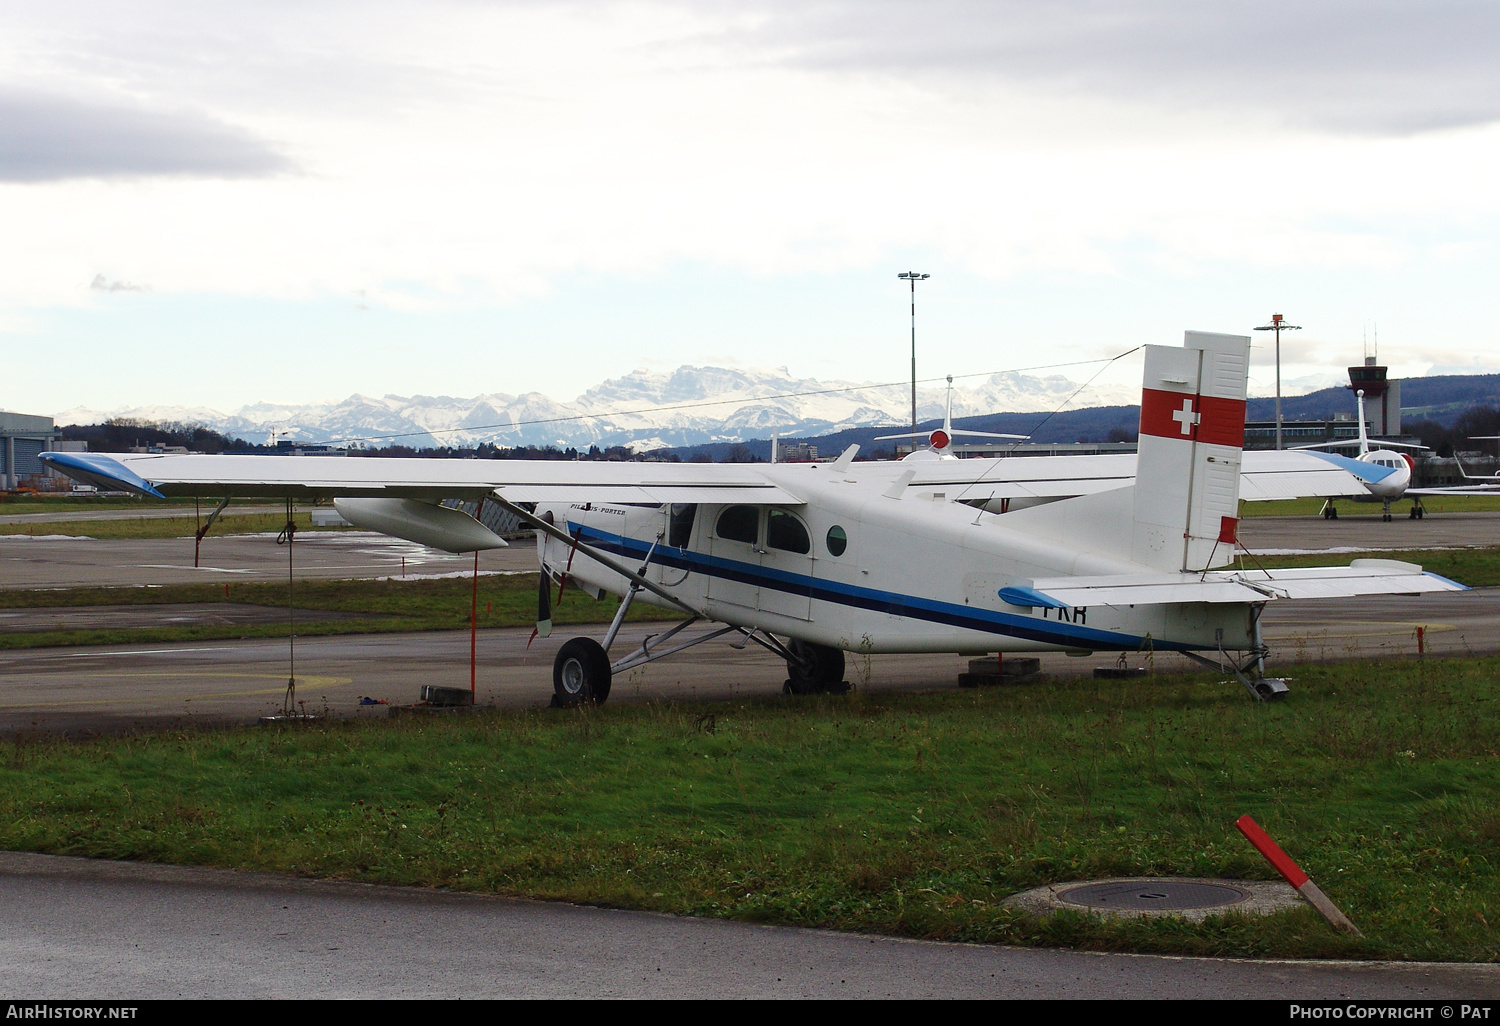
{"x":1187,"y":479}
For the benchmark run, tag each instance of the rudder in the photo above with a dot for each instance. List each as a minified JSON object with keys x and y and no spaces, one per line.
{"x":1192,"y":437}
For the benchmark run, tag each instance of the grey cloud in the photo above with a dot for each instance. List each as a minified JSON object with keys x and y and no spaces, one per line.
{"x":1363,"y":67}
{"x":103,"y":284}
{"x":50,"y":138}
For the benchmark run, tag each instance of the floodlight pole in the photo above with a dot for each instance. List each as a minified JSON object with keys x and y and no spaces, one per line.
{"x":1278,"y":324}
{"x":913,"y":277}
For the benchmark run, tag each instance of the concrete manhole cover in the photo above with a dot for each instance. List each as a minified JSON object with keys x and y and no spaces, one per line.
{"x":1150,"y":895}
{"x":1193,"y":898}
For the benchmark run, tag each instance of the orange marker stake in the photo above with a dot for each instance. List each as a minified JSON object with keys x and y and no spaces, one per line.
{"x":1294,"y":875}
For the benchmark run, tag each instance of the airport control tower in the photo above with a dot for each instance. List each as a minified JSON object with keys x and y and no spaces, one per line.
{"x":1382,"y":398}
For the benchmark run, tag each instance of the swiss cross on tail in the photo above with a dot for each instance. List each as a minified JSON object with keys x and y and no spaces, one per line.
{"x":1197,"y":418}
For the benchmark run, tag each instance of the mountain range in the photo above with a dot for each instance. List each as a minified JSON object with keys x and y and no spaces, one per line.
{"x":643,"y":411}
{"x":714,"y":406}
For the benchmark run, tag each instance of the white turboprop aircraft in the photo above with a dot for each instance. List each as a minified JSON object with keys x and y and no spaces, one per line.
{"x":813,"y":560}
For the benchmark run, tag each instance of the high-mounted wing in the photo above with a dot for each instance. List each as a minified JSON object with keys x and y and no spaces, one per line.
{"x":1264,"y":475}
{"x":314,"y":477}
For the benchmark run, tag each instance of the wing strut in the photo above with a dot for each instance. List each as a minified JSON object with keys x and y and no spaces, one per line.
{"x":552,"y":531}
{"x":203,"y":529}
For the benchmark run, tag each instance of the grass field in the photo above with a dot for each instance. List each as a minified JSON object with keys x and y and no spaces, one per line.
{"x":83,"y":503}
{"x":390,"y":606}
{"x":163,"y":527}
{"x":902,"y":814}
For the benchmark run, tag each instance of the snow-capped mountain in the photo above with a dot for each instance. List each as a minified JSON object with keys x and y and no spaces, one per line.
{"x":642,"y":410}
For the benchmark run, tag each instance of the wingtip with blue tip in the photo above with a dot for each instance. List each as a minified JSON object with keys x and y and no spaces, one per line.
{"x":101,"y":471}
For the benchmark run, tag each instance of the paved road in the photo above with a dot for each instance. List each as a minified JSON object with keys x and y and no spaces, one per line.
{"x":76,"y":928}
{"x":121,"y":686}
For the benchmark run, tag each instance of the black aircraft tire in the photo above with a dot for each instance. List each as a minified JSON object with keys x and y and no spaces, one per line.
{"x":816,"y":668}
{"x":580,"y":673}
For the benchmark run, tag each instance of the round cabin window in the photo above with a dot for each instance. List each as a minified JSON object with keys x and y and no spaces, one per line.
{"x":838,"y":541}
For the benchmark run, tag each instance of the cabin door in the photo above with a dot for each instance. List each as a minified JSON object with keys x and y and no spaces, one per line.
{"x":786,"y":565}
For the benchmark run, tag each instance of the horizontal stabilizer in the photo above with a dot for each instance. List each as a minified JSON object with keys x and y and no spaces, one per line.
{"x":1362,"y":577}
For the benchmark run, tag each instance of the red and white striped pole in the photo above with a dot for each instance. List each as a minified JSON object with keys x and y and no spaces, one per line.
{"x":1294,"y":875}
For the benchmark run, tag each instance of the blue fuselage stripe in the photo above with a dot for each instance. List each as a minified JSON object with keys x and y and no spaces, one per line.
{"x":1064,"y":635}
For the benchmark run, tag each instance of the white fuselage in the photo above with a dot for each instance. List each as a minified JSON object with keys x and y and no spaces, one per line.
{"x":1394,"y":485}
{"x":915,"y":573}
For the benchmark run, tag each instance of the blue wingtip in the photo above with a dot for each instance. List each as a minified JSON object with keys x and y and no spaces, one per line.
{"x":101,"y":471}
{"x":1448,"y":580}
{"x":1371,"y":472}
{"x":1030,"y":597}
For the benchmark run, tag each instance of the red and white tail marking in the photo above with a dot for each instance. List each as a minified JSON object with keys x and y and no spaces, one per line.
{"x":1191,"y":439}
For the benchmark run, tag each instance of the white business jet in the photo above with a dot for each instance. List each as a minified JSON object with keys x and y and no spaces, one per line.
{"x":1384,"y":487}
{"x":1390,"y":473}
{"x":814,"y":560}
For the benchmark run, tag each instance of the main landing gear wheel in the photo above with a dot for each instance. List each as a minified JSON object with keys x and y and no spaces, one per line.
{"x":580,"y":673}
{"x":814,"y":668}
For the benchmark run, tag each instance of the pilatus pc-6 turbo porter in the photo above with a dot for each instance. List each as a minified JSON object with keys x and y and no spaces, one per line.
{"x":813,"y":560}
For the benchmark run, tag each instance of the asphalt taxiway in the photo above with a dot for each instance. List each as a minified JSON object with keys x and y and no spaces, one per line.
{"x":96,"y":930}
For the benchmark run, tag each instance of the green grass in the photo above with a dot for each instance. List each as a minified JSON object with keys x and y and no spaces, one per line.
{"x":47,"y":504}
{"x":163,"y":527}
{"x":903,"y":814}
{"x":389,"y":606}
{"x":1350,"y":508}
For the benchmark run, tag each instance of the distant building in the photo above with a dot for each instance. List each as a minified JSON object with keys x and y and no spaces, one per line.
{"x":1382,"y":415}
{"x":1382,"y":398}
{"x":289,"y":447}
{"x":1261,"y":434}
{"x":22,"y":439}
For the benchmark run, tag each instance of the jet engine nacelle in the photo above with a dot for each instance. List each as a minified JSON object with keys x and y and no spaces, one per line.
{"x":425,"y":523}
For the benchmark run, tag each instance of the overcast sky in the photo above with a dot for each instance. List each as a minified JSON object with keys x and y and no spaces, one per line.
{"x":214,"y":205}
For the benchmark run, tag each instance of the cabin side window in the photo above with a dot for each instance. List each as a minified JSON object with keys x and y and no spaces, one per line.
{"x":680,"y":524}
{"x":740,"y":523}
{"x":837,"y":540}
{"x":784,"y":531}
